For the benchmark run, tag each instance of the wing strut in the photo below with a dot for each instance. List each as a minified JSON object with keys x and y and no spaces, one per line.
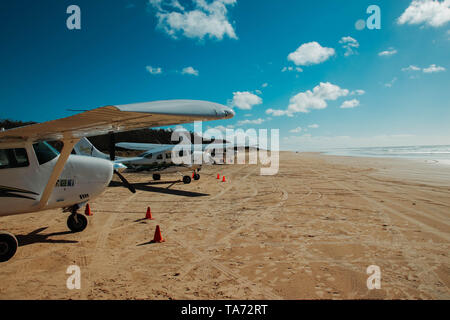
{"x":57,"y":170}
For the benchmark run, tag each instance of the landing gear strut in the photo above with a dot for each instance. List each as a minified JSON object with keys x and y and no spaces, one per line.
{"x":76,"y":222}
{"x":8,"y":246}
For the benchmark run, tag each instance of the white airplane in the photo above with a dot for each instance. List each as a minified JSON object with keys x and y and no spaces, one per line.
{"x":157,"y":159}
{"x":35,"y":177}
{"x":213,"y":153}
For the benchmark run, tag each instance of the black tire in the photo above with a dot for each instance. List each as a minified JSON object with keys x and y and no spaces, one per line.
{"x":186,"y":180}
{"x":196,"y":177}
{"x":156,"y":176}
{"x":8,"y":246}
{"x":77,"y":222}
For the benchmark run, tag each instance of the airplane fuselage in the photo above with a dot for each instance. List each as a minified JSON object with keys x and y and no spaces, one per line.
{"x":25,"y":171}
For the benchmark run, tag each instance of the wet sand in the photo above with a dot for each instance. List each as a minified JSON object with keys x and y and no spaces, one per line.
{"x":310,"y":232}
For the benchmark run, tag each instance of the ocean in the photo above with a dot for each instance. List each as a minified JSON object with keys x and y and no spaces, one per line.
{"x":435,"y":153}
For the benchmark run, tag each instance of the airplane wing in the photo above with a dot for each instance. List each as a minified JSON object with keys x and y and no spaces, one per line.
{"x":142,"y":146}
{"x":151,"y":147}
{"x":119,"y":118}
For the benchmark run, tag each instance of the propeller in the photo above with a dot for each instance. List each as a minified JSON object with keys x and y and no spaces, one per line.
{"x":125,"y":181}
{"x":112,"y":157}
{"x":112,"y":146}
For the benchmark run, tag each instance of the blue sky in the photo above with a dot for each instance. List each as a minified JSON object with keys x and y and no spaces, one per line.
{"x":288,"y":65}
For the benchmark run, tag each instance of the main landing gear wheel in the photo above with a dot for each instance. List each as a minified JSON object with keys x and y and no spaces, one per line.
{"x":156,"y":176}
{"x":77,"y":222}
{"x":186,"y":180}
{"x":8,"y":246}
{"x":196,"y":177}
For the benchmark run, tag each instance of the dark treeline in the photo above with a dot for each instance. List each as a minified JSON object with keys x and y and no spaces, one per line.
{"x":9,"y":124}
{"x":161,"y":136}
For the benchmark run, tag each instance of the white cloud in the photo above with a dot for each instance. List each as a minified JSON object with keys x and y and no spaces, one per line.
{"x":190,"y":70}
{"x":429,"y":12}
{"x":245,"y":100}
{"x":298,"y":69}
{"x":180,"y":128}
{"x":433,"y":68}
{"x":357,"y":92}
{"x":296,"y":130}
{"x":244,"y":122}
{"x":278,"y":113}
{"x":152,"y":70}
{"x":310,"y":100}
{"x":387,"y":53}
{"x":349,"y":44}
{"x":222,"y":128}
{"x":411,"y":68}
{"x":350,"y":104}
{"x":310,"y":53}
{"x":390,"y":83}
{"x":206,"y":19}
{"x":318,"y":143}
{"x":313,"y":126}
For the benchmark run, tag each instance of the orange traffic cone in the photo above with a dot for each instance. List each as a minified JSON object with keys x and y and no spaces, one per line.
{"x":224,"y":180}
{"x":88,"y":211}
{"x":218,"y":176}
{"x":158,"y":237}
{"x":148,"y":216}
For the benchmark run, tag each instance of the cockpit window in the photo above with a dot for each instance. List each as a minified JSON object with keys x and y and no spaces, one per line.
{"x":44,"y":152}
{"x":159,"y":157}
{"x":148,"y":156}
{"x":13,"y":158}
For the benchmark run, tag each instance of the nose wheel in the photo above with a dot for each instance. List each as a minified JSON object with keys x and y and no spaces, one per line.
{"x":77,"y":222}
{"x":196,"y":176}
{"x":8,"y":246}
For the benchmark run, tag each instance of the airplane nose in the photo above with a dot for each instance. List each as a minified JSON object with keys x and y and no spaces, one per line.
{"x":93,"y":170}
{"x":228,"y":113}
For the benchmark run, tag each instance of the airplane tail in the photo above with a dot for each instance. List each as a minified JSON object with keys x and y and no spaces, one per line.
{"x":85,"y":148}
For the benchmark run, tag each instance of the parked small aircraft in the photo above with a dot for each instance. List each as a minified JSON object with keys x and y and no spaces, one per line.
{"x":158,"y":159}
{"x":35,"y":177}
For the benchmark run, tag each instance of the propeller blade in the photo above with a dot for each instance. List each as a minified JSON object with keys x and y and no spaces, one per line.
{"x":125,"y":182}
{"x":112,"y":146}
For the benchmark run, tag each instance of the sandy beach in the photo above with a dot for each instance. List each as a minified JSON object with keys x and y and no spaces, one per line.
{"x":309,"y":232}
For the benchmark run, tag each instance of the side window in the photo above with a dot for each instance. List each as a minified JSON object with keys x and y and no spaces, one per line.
{"x":44,"y":152}
{"x":159,"y":157}
{"x":13,"y":158}
{"x":168,"y":155}
{"x":181,"y":153}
